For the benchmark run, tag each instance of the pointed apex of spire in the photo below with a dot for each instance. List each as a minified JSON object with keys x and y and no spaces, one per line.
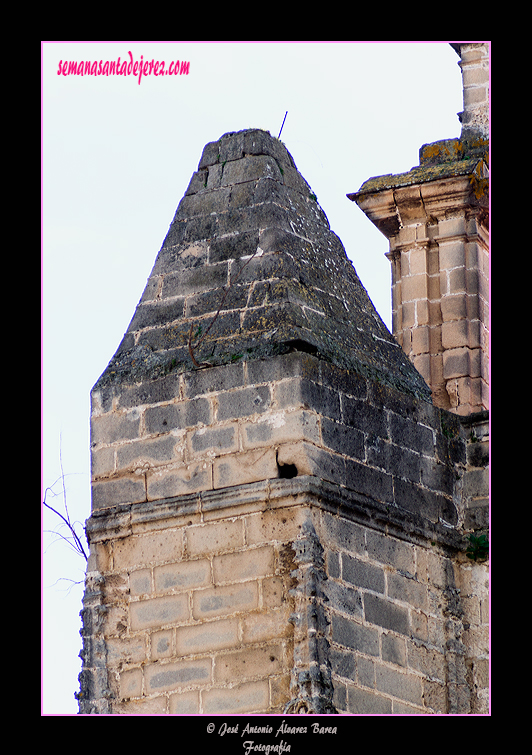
{"x":249,"y":268}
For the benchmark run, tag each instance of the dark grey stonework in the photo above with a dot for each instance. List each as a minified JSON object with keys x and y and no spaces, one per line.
{"x":250,"y":268}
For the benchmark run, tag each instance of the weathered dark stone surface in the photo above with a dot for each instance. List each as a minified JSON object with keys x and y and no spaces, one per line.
{"x":250,"y":268}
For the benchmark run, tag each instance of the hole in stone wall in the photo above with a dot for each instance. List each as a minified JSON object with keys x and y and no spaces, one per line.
{"x":287,"y":471}
{"x":299,"y":345}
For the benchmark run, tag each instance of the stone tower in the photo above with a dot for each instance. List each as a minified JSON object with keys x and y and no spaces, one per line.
{"x":436,"y":220}
{"x":278,"y":509}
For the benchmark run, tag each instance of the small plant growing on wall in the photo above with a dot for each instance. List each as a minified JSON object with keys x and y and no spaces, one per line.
{"x":478,"y":548}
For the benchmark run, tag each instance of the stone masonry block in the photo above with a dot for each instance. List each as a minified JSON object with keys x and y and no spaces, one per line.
{"x":308,"y":395}
{"x":282,"y":525}
{"x":131,"y":683}
{"x":367,"y":702}
{"x":225,"y":600}
{"x":149,"y":453}
{"x":181,"y":480}
{"x":182,"y":576}
{"x":240,"y":469}
{"x":114,"y":427}
{"x":102,"y":462}
{"x":250,"y":697}
{"x":455,"y":334}
{"x":250,"y":168}
{"x":175,"y":676}
{"x":157,"y":612}
{"x":344,"y":599}
{"x":140,"y":582}
{"x":406,"y":687}
{"x":163,"y":419}
{"x":281,"y":427}
{"x":411,"y":434}
{"x":234,"y":247}
{"x":456,"y":363}
{"x":350,"y":634}
{"x":414,"y":287}
{"x":311,"y":460}
{"x":373,"y":483}
{"x":244,"y":565}
{"x":122,"y":490}
{"x":184,"y":704}
{"x":453,"y":307}
{"x":207,"y":637}
{"x":264,"y":661}
{"x":195,"y":280}
{"x":161,"y":644}
{"x":364,"y":416}
{"x":215,"y":537}
{"x":267,"y":625}
{"x":386,"y":614}
{"x":213,"y":380}
{"x":420,"y":501}
{"x":152,"y":548}
{"x":244,"y":402}
{"x":213,"y":441}
{"x":362,"y":574}
{"x":390,"y":551}
{"x":343,"y":439}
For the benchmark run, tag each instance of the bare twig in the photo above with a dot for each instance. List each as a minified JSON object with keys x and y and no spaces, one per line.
{"x":74,"y":541}
{"x":232,"y":281}
{"x":77,"y":545}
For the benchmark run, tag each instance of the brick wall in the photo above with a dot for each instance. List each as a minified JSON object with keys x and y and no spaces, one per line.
{"x":196,"y":569}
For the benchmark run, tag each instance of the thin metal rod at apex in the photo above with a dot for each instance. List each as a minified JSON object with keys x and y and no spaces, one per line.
{"x":284,"y":119}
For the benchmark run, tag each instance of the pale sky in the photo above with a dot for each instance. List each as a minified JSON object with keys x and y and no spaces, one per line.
{"x":117,"y":157}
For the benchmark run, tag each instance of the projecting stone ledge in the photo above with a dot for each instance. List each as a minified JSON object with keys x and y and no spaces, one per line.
{"x":250,"y":269}
{"x":448,"y":158}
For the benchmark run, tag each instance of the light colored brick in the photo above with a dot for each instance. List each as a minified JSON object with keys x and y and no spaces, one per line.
{"x":280,"y":427}
{"x":157,"y":612}
{"x":248,"y":663}
{"x":114,"y":427}
{"x":454,"y":307}
{"x":207,"y":637}
{"x":455,"y":334}
{"x":418,"y":261}
{"x":281,"y":525}
{"x":161,"y":677}
{"x":414,"y":287}
{"x":211,"y":442}
{"x":161,"y":644}
{"x":155,"y":547}
{"x":126,"y":650}
{"x":225,"y":600}
{"x":267,"y":625}
{"x":131,"y":683}
{"x":182,"y":576}
{"x":215,"y":537}
{"x":240,"y":469}
{"x":420,"y":341}
{"x":184,"y":704}
{"x":456,"y":363}
{"x":149,"y":453}
{"x":182,"y":480}
{"x":244,"y":565}
{"x":250,"y":697}
{"x":140,"y":581}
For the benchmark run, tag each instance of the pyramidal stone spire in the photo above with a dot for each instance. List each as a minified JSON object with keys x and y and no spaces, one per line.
{"x":250,"y":268}
{"x":273,"y":492}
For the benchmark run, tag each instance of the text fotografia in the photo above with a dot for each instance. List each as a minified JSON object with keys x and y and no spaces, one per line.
{"x":250,"y":745}
{"x":120,"y":67}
